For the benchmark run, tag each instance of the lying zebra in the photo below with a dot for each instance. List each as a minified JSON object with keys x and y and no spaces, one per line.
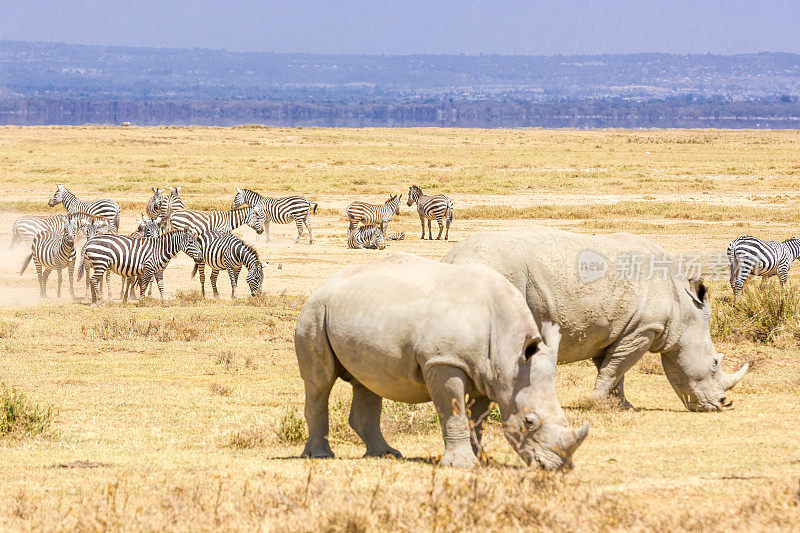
{"x":279,"y":210}
{"x":438,"y":208}
{"x":54,"y":251}
{"x":370,"y":237}
{"x":751,"y":256}
{"x":221,"y":250}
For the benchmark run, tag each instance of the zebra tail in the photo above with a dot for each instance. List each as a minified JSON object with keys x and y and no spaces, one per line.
{"x":196,"y":268}
{"x":15,"y":238}
{"x":314,"y":209}
{"x":26,"y":263}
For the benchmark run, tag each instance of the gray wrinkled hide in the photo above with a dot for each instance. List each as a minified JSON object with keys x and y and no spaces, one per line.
{"x":612,"y":321}
{"x":414,"y":330}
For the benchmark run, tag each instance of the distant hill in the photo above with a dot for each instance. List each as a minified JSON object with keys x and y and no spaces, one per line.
{"x":50,"y":83}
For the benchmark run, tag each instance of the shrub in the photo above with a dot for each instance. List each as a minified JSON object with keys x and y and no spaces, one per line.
{"x":247,"y":438}
{"x":7,"y":329}
{"x":19,"y":416}
{"x":292,"y":429}
{"x":759,"y":314}
{"x":221,"y":390}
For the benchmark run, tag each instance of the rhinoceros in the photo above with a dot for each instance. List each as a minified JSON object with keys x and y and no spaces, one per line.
{"x":414,"y":330}
{"x":615,"y":297}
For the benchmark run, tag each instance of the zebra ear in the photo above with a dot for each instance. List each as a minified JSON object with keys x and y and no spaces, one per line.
{"x":238,"y":190}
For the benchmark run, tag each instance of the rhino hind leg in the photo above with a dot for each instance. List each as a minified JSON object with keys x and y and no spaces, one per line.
{"x":616,"y":395}
{"x":448,"y":387}
{"x":365,"y":419}
{"x":319,"y":369}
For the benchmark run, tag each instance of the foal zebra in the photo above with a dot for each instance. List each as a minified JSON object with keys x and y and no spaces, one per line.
{"x":437,"y":208}
{"x":371,"y":214}
{"x":128,"y":256}
{"x":148,"y":228}
{"x":227,"y":221}
{"x":370,"y":237}
{"x":227,"y":251}
{"x":748,"y":255}
{"x":279,"y":210}
{"x":53,"y":251}
{"x":108,"y":209}
{"x":26,"y":228}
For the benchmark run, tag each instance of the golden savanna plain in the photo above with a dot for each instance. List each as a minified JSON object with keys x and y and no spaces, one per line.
{"x":189,"y":416}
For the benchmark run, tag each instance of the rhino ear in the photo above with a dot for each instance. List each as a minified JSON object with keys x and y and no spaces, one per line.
{"x":699,"y":292}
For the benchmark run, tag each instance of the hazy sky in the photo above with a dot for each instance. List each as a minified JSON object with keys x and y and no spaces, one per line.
{"x":413,"y":26}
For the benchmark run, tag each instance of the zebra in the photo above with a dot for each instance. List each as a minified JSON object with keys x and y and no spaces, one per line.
{"x":280,"y":210}
{"x":370,"y":214}
{"x":147,"y":228}
{"x":171,"y":203}
{"x":439,"y":208}
{"x":227,"y":221}
{"x":227,"y":251}
{"x":108,"y":209}
{"x":370,"y":237}
{"x":26,"y":228}
{"x":153,"y":208}
{"x":751,"y":256}
{"x":129,"y":256}
{"x":53,"y":251}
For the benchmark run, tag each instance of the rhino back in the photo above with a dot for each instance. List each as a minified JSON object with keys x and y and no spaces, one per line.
{"x":572,"y":279}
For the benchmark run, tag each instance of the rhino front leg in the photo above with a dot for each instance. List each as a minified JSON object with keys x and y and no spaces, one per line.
{"x":478,"y":411}
{"x":448,"y":386}
{"x":365,"y":419}
{"x":617,"y":360}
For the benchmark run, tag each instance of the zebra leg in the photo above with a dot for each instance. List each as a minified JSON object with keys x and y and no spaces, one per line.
{"x":123,"y":291}
{"x":60,"y":281}
{"x":201,"y":269}
{"x":742,"y":275}
{"x":233,"y":273}
{"x":430,"y":233}
{"x":71,"y":273}
{"x":441,"y":229}
{"x":299,"y":229}
{"x":108,"y":283}
{"x":45,"y":275}
{"x":266,"y":229}
{"x":310,"y":235}
{"x":447,"y":232}
{"x":422,"y":221}
{"x":213,"y":277}
{"x":365,"y":419}
{"x":160,"y":280}
{"x":41,"y":280}
{"x":96,"y":283}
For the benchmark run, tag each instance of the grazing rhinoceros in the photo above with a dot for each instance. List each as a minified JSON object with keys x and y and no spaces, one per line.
{"x":414,"y":330}
{"x":609,"y":312}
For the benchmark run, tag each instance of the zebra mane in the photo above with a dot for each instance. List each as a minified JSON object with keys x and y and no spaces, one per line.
{"x":92,"y":218}
{"x":250,"y":251}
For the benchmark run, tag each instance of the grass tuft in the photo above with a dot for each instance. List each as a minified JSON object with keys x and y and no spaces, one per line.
{"x":247,"y":438}
{"x":8,"y":328}
{"x":21,"y":417}
{"x":292,"y":428}
{"x":131,"y":328}
{"x":762,"y":314}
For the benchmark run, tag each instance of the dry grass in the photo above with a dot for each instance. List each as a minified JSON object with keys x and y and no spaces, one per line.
{"x":764,"y":313}
{"x":21,"y":417}
{"x":189,"y":416}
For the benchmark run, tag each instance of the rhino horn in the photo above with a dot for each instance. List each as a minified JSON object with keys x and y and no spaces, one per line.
{"x":730,"y":380}
{"x":572,"y":438}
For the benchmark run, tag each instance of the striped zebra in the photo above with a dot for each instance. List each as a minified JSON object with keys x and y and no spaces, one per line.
{"x":751,"y":256}
{"x":280,"y":210}
{"x":105,"y":208}
{"x":26,"y":228}
{"x":171,"y":203}
{"x":53,"y":251}
{"x":371,"y":214}
{"x":227,"y":221}
{"x":153,"y":208}
{"x":370,"y":237}
{"x":438,"y":208}
{"x":227,"y":251}
{"x":148,"y":228}
{"x":128,"y":256}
